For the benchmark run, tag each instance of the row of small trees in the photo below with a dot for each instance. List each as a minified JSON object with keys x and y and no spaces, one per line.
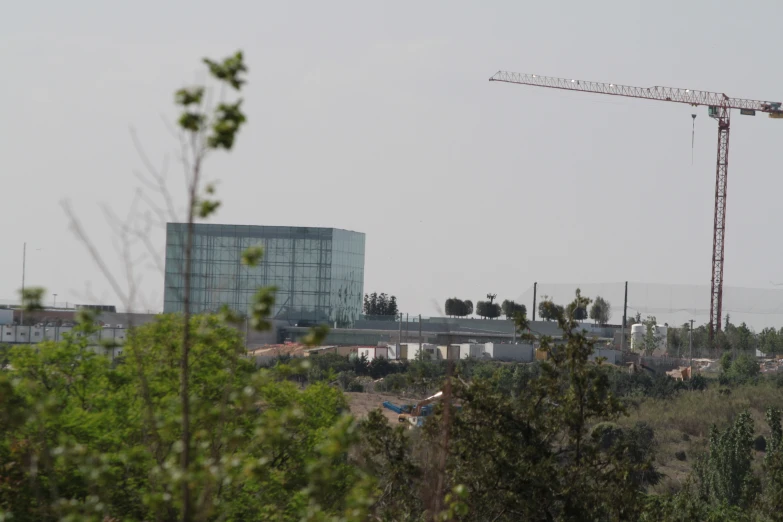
{"x":485,"y":309}
{"x":382,"y":304}
{"x":600,"y":311}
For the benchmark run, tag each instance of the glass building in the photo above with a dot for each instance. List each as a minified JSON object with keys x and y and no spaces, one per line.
{"x":318,"y":272}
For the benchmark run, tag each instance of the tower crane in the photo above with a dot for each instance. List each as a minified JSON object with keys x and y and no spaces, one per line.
{"x":719,"y":108}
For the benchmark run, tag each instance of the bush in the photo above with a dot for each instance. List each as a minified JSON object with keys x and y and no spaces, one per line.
{"x":355,"y":386}
{"x":345,"y":379}
{"x":738,"y":371}
{"x":698,"y":382}
{"x":392,"y":383}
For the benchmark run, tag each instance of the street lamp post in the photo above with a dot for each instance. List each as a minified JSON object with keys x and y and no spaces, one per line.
{"x":24,"y":264}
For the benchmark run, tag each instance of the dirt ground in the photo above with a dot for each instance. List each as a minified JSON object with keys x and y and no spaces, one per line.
{"x":363,"y":403}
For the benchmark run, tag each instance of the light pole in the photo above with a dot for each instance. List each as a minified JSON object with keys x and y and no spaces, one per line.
{"x":24,"y":264}
{"x":690,"y":346}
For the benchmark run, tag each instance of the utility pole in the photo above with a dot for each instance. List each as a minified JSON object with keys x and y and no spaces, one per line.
{"x":535,"y":287}
{"x":625,"y":318}
{"x":690,"y":347}
{"x":24,"y":264}
{"x":399,"y":339}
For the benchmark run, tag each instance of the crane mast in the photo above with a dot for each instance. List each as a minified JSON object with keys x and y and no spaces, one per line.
{"x":719,"y":108}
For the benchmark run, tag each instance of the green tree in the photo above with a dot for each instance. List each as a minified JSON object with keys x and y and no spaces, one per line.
{"x":109,"y":439}
{"x":542,"y":441}
{"x":652,"y":339}
{"x":725,"y":475}
{"x":487,"y":310}
{"x":510,"y":309}
{"x":601,"y":311}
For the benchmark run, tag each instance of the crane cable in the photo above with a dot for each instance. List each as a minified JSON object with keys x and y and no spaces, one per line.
{"x":693,"y":135}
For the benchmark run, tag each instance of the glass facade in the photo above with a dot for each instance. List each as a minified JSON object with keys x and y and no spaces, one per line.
{"x":318,"y":272}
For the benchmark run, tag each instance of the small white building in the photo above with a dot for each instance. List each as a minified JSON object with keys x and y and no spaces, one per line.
{"x":411,"y":351}
{"x":373,"y":352}
{"x":509,"y":352}
{"x":471,"y":350}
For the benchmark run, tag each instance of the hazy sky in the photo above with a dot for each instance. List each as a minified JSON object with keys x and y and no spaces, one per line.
{"x":378,"y":117}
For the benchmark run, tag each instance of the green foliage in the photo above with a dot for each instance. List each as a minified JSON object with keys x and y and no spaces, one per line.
{"x":382,"y":305}
{"x":724,"y":475}
{"x":316,"y":335}
{"x":261,"y":308}
{"x":226,"y":124}
{"x":226,"y":119}
{"x":487,"y":310}
{"x":601,"y":311}
{"x":458,"y":308}
{"x":252,"y":256}
{"x":510,"y":309}
{"x":651,"y":339}
{"x":192,"y":96}
{"x":107,"y":441}
{"x":229,"y":70}
{"x":207,"y":207}
{"x":32,"y":298}
{"x":540,"y":441}
{"x":742,"y":369}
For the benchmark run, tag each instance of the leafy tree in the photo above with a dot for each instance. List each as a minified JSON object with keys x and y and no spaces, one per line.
{"x":724,"y":475}
{"x":451,"y":309}
{"x":739,"y":370}
{"x":548,"y":311}
{"x":542,"y":442}
{"x":510,"y":309}
{"x":772,"y":498}
{"x":487,"y":310}
{"x":651,"y":339}
{"x":601,"y":311}
{"x":575,"y":310}
{"x":108,"y":438}
{"x":392,"y":307}
{"x":458,"y":308}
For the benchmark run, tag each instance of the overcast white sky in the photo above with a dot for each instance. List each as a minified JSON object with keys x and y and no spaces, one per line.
{"x":378,"y":117}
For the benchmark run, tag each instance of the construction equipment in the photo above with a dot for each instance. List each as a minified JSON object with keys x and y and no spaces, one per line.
{"x":405,"y":408}
{"x":719,"y":107}
{"x":422,"y":409}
